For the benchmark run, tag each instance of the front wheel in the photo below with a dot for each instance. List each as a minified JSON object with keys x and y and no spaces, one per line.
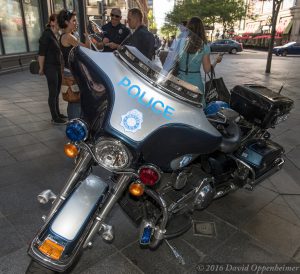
{"x":233,"y":51}
{"x":35,"y":268}
{"x":284,"y":53}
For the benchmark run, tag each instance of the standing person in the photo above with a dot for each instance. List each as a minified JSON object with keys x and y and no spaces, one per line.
{"x":68,"y":23}
{"x":141,"y":38}
{"x":196,"y":53}
{"x":114,"y":31}
{"x":50,"y":64}
{"x":157,"y":44}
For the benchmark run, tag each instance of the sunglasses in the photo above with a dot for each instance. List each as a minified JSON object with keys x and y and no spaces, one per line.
{"x":115,"y":15}
{"x":69,"y":15}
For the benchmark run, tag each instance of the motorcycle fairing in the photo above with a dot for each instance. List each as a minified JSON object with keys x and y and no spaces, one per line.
{"x":156,"y":109}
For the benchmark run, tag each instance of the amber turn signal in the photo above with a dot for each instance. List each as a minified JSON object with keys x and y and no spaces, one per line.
{"x":51,"y":249}
{"x":136,"y":189}
{"x":71,"y":150}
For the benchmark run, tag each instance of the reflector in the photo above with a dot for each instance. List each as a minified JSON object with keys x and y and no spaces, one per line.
{"x":149,"y":175}
{"x":136,"y":189}
{"x":71,"y":150}
{"x":51,"y":249}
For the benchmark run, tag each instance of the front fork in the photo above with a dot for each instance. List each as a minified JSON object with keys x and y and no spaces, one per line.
{"x":113,"y":196}
{"x":115,"y":193}
{"x":84,"y":162}
{"x":83,"y":165}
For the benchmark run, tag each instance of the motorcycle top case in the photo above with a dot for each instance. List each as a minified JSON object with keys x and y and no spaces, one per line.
{"x":259,"y":104}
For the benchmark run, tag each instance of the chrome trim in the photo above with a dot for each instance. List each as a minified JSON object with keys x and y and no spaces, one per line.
{"x":117,"y":143}
{"x":88,"y":149}
{"x":244,"y":164}
{"x":231,"y":187}
{"x":274,"y":169}
{"x":45,"y":196}
{"x":172,"y":208}
{"x":108,"y":232}
{"x":48,"y":262}
{"x":82,"y":123}
{"x":149,"y":80}
{"x":113,"y":197}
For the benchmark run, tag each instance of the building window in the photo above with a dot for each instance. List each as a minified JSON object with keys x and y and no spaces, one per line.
{"x":58,"y":5}
{"x":33,"y":26}
{"x":92,"y":2}
{"x":69,"y":4}
{"x":12,"y":27}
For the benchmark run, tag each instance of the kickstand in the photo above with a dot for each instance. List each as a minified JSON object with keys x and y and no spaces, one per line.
{"x":176,"y":253}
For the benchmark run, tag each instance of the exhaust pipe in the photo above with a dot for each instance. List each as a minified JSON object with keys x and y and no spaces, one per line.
{"x":45,"y":196}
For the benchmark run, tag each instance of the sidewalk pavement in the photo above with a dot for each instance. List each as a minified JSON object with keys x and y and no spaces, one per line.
{"x":262,"y":226}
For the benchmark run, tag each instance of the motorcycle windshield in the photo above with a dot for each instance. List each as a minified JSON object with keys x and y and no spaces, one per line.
{"x":176,"y":69}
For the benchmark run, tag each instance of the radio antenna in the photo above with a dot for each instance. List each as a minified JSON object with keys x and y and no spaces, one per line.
{"x":286,"y":78}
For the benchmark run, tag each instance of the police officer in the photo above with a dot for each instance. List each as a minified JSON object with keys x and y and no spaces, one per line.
{"x":114,"y":31}
{"x":141,"y":38}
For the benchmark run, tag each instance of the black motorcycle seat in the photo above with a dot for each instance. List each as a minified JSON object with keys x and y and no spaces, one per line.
{"x":231,"y":137}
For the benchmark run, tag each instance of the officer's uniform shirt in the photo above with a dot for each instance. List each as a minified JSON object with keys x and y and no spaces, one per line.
{"x":143,"y":40}
{"x":115,"y":34}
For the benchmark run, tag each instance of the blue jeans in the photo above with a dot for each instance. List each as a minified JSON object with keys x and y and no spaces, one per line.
{"x":74,"y":110}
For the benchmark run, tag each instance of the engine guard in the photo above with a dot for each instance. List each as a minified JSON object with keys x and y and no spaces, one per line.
{"x":70,"y":225}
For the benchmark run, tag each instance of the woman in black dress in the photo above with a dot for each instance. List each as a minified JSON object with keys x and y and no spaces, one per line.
{"x":50,"y":65}
{"x":67,"y":21}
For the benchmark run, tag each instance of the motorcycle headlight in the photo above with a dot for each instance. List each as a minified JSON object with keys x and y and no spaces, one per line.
{"x":112,"y":154}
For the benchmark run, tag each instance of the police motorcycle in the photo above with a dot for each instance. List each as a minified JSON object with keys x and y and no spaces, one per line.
{"x":166,"y":153}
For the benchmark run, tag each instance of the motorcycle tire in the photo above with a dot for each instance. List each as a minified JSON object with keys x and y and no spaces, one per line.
{"x":35,"y":268}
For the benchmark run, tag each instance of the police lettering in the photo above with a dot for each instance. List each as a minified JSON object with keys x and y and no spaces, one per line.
{"x":157,"y":106}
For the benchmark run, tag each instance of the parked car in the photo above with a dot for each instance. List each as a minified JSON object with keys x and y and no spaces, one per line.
{"x":289,"y":48}
{"x":226,"y":45}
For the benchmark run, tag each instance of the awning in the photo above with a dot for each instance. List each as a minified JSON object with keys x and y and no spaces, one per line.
{"x":288,"y":28}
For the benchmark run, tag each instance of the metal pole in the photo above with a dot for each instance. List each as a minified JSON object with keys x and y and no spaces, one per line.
{"x":80,"y":7}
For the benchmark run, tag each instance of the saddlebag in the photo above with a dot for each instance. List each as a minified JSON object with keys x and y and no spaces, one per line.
{"x":260,"y":154}
{"x":259,"y":105}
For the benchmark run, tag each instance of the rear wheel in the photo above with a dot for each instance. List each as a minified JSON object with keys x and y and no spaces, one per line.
{"x":35,"y":268}
{"x":284,"y":53}
{"x":233,"y":51}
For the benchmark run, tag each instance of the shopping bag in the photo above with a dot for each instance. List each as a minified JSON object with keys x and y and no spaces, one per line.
{"x":70,"y":90}
{"x":215,"y":89}
{"x":34,"y":67}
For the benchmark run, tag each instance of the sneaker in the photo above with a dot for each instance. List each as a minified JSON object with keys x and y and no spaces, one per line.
{"x":58,"y":121}
{"x":62,"y":116}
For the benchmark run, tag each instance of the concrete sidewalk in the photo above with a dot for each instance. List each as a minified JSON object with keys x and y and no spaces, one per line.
{"x":262,"y":226}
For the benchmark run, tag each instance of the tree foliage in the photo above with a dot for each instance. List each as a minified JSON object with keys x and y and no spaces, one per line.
{"x":151,"y":21}
{"x":226,"y":12}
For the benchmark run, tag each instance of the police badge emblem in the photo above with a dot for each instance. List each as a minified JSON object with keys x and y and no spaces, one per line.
{"x":132,"y":120}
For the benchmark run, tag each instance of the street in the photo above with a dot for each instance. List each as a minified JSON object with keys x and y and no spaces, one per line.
{"x":262,"y":226}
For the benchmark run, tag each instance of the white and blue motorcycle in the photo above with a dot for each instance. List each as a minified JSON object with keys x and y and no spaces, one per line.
{"x":167,"y":155}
